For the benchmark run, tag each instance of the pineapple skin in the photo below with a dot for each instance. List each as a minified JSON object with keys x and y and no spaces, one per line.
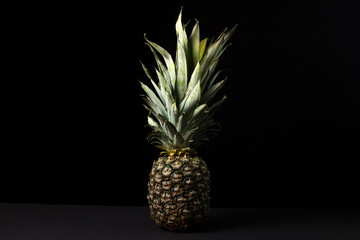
{"x":179,"y":192}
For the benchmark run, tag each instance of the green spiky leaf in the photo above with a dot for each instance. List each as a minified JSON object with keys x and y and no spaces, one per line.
{"x":178,"y":140}
{"x":212,"y":91}
{"x":189,"y":103}
{"x":179,"y":103}
{"x":168,"y":60}
{"x":180,"y":32}
{"x":181,"y":72}
{"x":154,"y":99}
{"x":173,"y":114}
{"x":202,"y":48}
{"x":195,"y":78}
{"x":181,"y":124}
{"x":170,"y":129}
{"x":194,"y":46}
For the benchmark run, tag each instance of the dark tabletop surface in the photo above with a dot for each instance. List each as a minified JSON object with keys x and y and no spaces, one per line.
{"x":55,"y":222}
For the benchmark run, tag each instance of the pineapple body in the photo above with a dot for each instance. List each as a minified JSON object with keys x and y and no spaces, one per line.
{"x":178,"y":192}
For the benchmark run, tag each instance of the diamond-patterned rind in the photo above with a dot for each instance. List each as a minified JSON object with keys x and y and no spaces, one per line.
{"x":179,"y":189}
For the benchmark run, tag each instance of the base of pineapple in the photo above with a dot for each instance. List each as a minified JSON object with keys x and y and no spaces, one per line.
{"x":179,"y":192}
{"x":191,"y":226}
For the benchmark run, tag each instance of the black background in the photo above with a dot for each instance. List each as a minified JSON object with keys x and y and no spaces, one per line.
{"x":74,"y":131}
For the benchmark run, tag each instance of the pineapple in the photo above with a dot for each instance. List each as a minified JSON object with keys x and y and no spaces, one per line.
{"x":181,"y":108}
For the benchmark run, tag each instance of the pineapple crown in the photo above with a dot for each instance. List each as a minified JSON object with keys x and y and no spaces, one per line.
{"x":181,"y":107}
